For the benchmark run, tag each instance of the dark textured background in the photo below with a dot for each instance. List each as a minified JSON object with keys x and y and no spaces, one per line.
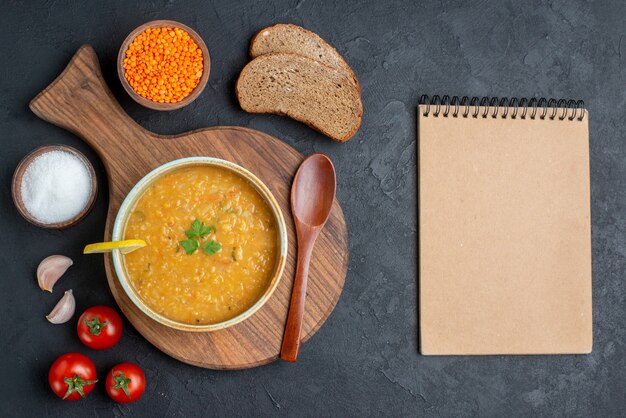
{"x":364,"y":360}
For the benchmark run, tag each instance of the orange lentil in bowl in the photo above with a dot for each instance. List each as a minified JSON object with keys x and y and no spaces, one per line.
{"x":163,"y":64}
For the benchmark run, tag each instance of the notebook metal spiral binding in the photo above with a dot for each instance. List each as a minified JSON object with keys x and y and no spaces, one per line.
{"x":505,"y":107}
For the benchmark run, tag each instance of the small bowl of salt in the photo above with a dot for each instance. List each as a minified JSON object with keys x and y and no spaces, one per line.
{"x":54,"y":186}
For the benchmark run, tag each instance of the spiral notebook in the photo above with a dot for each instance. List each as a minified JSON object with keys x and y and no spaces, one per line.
{"x":504,"y":227}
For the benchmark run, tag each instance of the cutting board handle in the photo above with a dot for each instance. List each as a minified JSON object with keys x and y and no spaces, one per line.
{"x":80,"y":101}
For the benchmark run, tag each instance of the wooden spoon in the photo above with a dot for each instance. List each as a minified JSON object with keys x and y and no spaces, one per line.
{"x":312,"y":196}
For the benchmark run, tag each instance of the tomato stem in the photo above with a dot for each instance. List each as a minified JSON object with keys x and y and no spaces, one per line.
{"x":121,"y":382}
{"x":75,"y":384}
{"x":95,"y":326}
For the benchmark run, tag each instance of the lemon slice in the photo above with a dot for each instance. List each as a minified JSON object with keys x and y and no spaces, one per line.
{"x":125,"y":246}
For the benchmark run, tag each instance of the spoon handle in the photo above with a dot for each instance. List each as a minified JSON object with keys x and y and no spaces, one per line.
{"x":291,"y":338}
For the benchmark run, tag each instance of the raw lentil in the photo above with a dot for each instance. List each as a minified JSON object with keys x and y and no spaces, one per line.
{"x":163,"y":64}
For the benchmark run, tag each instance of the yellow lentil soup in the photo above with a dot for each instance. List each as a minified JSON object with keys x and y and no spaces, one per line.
{"x":230,"y":265}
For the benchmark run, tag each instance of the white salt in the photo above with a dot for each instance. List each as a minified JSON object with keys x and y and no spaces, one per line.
{"x":56,"y":187}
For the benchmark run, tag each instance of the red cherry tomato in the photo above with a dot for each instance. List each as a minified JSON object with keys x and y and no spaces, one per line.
{"x":125,"y":383}
{"x":99,"y":327}
{"x":72,"y":376}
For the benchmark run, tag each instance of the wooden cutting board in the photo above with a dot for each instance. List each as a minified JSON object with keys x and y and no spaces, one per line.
{"x":80,"y":101}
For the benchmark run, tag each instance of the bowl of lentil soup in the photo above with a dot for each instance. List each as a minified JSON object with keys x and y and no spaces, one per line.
{"x":163,"y":65}
{"x":216,"y":244}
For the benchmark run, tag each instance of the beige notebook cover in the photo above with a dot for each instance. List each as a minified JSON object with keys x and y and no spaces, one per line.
{"x":504,"y":231}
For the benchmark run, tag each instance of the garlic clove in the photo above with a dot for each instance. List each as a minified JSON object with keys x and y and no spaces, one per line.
{"x":51,"y":269}
{"x":64,"y":309}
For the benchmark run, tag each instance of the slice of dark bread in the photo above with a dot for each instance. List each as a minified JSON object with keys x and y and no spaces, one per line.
{"x":293,"y":39}
{"x":303,"y":89}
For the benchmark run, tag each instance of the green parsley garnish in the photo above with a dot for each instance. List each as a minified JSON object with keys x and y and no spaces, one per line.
{"x":195,"y":234}
{"x":198,"y":230}
{"x":211,"y":247}
{"x":189,"y":245}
